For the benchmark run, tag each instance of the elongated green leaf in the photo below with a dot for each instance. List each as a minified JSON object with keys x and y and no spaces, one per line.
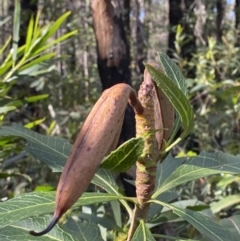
{"x":37,"y":61}
{"x":29,"y":35}
{"x":37,"y":69}
{"x":34,"y":123}
{"x":205,"y":225}
{"x":19,"y":231}
{"x":16,"y":27}
{"x":2,"y":49}
{"x":225,"y":202}
{"x":155,"y":209}
{"x":51,"y":30}
{"x":106,"y":222}
{"x":166,"y":168}
{"x":6,"y":109}
{"x":124,"y":156}
{"x":173,"y":72}
{"x":36,"y":98}
{"x":200,"y":166}
{"x":163,"y":217}
{"x":142,"y":233}
{"x":116,"y":209}
{"x":53,"y":151}
{"x":36,"y":30}
{"x":4,"y":68}
{"x":71,"y":231}
{"x":232,"y":224}
{"x":39,"y":203}
{"x":86,"y":231}
{"x":176,"y":126}
{"x":202,"y":223}
{"x":175,"y":96}
{"x":58,"y":40}
{"x":105,"y":180}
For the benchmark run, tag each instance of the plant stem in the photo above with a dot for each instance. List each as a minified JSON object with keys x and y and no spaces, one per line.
{"x":140,"y":212}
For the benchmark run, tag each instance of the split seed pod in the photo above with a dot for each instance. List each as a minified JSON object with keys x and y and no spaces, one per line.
{"x":158,"y":117}
{"x":97,"y":138}
{"x":164,"y":113}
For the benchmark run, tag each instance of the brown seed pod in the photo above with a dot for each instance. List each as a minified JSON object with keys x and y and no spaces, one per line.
{"x":97,"y":138}
{"x":158,"y":117}
{"x":163,"y":111}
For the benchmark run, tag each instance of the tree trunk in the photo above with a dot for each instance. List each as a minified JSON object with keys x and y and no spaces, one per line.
{"x":28,"y":8}
{"x":113,"y":52}
{"x":175,"y":18}
{"x":220,"y":6}
{"x":237,"y":21}
{"x":178,"y":12}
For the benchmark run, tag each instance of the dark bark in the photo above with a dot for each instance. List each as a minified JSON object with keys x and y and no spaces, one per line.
{"x":175,"y":18}
{"x":142,"y":38}
{"x":28,"y":8}
{"x":237,"y":21}
{"x":113,"y":53}
{"x":178,"y":14}
{"x":220,"y":6}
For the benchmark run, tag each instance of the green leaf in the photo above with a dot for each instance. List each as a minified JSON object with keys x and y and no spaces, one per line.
{"x":36,"y":98}
{"x":176,"y":97}
{"x":124,"y":156}
{"x":5,"y":45}
{"x":19,"y":231}
{"x":225,"y":202}
{"x":16,"y":27}
{"x":155,"y":209}
{"x":142,"y":233}
{"x":44,"y":189}
{"x":50,"y":31}
{"x":51,"y":150}
{"x":36,"y":61}
{"x":56,"y":41}
{"x":104,"y":221}
{"x":163,"y":217}
{"x":173,"y":72}
{"x":205,"y":225}
{"x":166,"y":168}
{"x":39,"y":203}
{"x":29,"y":35}
{"x":232,"y":224}
{"x":36,"y":30}
{"x":87,"y":231}
{"x":6,"y":109}
{"x":196,"y":167}
{"x":105,"y":180}
{"x":176,"y":126}
{"x":34,"y":123}
{"x":116,"y":209}
{"x":5,"y":67}
{"x":202,"y":223}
